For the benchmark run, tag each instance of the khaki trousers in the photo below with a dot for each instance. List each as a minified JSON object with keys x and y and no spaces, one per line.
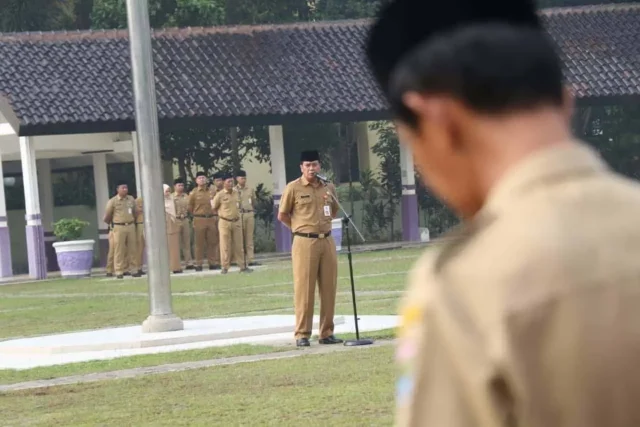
{"x":184,"y":240}
{"x":110,"y":256}
{"x":249,"y":223}
{"x":206,"y":239}
{"x":141,"y":243}
{"x":231,"y":243}
{"x":124,"y":248}
{"x":314,"y":260}
{"x":174,"y":251}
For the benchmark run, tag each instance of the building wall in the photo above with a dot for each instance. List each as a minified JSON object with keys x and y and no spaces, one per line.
{"x":15,"y":219}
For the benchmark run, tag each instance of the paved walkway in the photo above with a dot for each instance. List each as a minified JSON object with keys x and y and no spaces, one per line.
{"x":185,"y":366}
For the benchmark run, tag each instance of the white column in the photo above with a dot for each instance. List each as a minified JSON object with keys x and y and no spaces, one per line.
{"x":6,"y":268}
{"x":35,"y":232}
{"x":410,"y":218}
{"x":136,"y":163}
{"x":45,"y":189}
{"x":279,"y":174}
{"x":101,"y":186}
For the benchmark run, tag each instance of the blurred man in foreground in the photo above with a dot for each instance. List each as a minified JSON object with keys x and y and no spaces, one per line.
{"x":529,"y":317}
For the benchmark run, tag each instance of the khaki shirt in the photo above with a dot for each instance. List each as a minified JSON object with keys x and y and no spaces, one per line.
{"x":140,"y":216}
{"x":121,"y":210}
{"x":247,"y":198}
{"x":226,"y":204}
{"x":531,"y":313}
{"x":200,"y":202}
{"x":310,"y":205}
{"x":182,"y":205}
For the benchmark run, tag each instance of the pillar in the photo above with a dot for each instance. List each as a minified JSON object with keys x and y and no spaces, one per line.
{"x":35,"y":232}
{"x":6,"y":269}
{"x":101,"y":185}
{"x":362,"y":142}
{"x":410,"y":224}
{"x":136,"y":165}
{"x":279,"y":173}
{"x":45,"y":189}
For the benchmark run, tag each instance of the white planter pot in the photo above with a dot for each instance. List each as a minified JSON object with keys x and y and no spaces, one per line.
{"x":75,"y":258}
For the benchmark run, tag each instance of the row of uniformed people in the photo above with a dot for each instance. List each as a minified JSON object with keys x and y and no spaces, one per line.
{"x":223,"y":228}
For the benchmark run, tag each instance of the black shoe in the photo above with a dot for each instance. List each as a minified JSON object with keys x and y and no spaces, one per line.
{"x":136,"y":275}
{"x":214,"y":267}
{"x":142,"y":273}
{"x":254,"y":264}
{"x":190,"y":267}
{"x":224,"y":271}
{"x":120,"y":276}
{"x":177,"y":272}
{"x":303,"y":342}
{"x":331,"y":339}
{"x":126,"y":274}
{"x":109,"y":274}
{"x":246,"y":270}
{"x":199,"y":268}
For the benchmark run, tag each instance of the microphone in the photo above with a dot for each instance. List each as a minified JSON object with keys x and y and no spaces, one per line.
{"x":322,"y":178}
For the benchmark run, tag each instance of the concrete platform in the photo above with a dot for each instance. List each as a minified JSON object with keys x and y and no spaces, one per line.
{"x":104,"y":344}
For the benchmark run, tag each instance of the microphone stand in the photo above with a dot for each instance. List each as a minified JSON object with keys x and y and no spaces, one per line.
{"x":346,"y":220}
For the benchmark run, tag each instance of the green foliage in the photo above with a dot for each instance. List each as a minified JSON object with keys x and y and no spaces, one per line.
{"x":388,"y":150}
{"x":69,"y":229}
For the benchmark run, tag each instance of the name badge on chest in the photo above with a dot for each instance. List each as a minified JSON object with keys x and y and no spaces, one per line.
{"x":327,"y":210}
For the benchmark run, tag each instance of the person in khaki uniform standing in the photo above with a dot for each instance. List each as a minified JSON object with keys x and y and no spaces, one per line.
{"x":247,"y":216}
{"x":204,"y":225}
{"x":226,"y":204}
{"x":184,"y":225}
{"x":307,"y":208}
{"x":140,"y":240}
{"x":173,"y":230}
{"x":120,"y":213}
{"x":528,"y":316}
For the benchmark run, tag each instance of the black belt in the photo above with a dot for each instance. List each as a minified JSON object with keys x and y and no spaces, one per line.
{"x":205,"y":216}
{"x":230,"y":220}
{"x":243,"y":211}
{"x":123,"y":223}
{"x":313,"y":235}
{"x":139,"y":223}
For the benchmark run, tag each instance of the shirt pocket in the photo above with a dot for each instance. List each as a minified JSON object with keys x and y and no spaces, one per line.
{"x":304,"y":203}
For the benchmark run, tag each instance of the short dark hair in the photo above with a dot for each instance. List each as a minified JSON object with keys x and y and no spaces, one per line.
{"x":491,"y":67}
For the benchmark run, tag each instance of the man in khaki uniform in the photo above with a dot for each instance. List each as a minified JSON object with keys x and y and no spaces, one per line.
{"x":529,"y":315}
{"x":226,"y":204}
{"x":307,"y":208}
{"x":204,"y":225}
{"x":247,"y":216}
{"x":182,"y":221}
{"x":217,"y":183}
{"x":120,"y":213}
{"x":140,"y":240}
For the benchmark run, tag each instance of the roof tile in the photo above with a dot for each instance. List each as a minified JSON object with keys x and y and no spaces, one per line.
{"x":217,"y":74}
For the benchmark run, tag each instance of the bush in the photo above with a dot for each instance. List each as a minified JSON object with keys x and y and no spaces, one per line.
{"x":68,"y":229}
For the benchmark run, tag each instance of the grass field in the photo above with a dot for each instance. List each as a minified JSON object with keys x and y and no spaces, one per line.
{"x":343,"y":388}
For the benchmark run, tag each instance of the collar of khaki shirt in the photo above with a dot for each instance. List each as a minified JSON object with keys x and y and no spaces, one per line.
{"x":305,"y":182}
{"x":546,"y":165}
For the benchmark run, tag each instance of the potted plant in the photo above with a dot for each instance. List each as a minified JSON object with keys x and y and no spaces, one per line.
{"x":75,"y":256}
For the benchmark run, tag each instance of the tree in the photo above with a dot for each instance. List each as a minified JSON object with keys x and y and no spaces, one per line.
{"x":37,"y":15}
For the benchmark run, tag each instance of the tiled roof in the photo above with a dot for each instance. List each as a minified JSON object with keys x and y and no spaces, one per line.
{"x":81,"y":81}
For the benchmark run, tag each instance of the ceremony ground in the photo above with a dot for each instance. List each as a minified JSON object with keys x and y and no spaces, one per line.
{"x":232,"y":385}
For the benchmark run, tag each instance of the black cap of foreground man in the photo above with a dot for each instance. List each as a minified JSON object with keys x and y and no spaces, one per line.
{"x":403,"y":25}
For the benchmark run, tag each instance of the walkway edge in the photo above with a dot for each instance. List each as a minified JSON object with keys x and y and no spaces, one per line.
{"x":184,"y":366}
